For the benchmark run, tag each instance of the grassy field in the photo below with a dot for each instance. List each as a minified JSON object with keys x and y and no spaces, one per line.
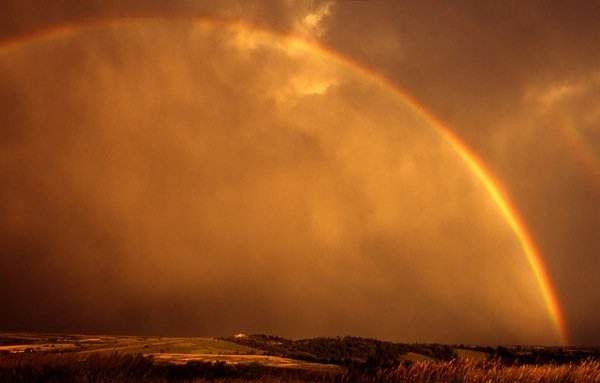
{"x":124,"y":344}
{"x":128,"y":359}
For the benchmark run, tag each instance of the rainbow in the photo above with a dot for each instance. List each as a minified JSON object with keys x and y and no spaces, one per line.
{"x":576,"y":141}
{"x":493,"y":187}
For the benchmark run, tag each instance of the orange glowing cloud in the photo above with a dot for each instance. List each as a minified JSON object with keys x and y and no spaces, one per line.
{"x":217,"y":158}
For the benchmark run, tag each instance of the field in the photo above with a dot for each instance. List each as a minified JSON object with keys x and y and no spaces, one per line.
{"x":127,"y":359}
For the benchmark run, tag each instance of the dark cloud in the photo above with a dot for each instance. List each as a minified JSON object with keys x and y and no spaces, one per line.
{"x":476,"y":66}
{"x":170,"y":178}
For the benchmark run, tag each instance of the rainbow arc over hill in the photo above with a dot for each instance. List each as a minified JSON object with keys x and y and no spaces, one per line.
{"x":479,"y":170}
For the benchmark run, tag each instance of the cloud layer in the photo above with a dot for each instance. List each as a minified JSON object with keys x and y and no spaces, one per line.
{"x":188,"y":178}
{"x":203,"y":176}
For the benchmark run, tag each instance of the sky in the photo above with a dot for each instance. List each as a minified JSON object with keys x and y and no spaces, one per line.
{"x":410,"y":171}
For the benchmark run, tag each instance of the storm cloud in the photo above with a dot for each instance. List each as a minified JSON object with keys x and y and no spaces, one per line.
{"x":168,"y":176}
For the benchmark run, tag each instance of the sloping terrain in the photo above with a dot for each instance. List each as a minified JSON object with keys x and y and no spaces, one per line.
{"x":128,"y":359}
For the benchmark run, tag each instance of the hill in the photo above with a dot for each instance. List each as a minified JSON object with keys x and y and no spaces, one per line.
{"x":268,"y":358}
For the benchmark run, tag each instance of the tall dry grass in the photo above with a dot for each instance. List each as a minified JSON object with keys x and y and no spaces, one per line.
{"x":470,"y":371}
{"x":38,"y":367}
{"x":115,"y":368}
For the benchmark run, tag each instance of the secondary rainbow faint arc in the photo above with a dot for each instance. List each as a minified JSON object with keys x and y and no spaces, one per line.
{"x":573,"y":137}
{"x":491,"y":185}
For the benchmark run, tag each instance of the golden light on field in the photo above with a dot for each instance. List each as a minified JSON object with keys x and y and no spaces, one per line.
{"x":204,"y":177}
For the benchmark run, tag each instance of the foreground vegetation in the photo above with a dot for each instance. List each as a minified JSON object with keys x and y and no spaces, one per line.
{"x":469,"y":371}
{"x":127,"y":368}
{"x":119,"y":368}
{"x":264,"y":358}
